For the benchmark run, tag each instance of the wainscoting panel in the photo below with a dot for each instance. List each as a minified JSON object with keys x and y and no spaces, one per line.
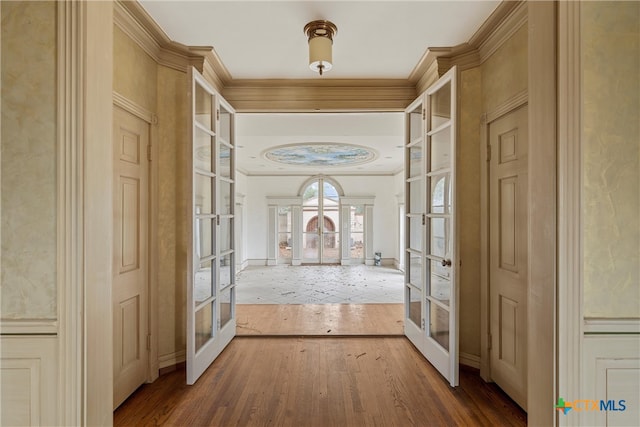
{"x":611,"y":373}
{"x":28,"y":380}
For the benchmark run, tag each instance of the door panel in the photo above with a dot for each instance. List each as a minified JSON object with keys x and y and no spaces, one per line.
{"x":211,"y":282}
{"x":508,"y":253}
{"x":431,"y":292}
{"x":130,"y":254}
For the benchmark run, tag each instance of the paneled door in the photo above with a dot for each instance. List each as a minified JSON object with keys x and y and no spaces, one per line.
{"x":130,"y":254}
{"x":431,"y":291}
{"x":508,"y":138}
{"x":211,"y":290}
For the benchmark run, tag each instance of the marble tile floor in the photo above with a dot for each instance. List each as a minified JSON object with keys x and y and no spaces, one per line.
{"x":319,"y":284}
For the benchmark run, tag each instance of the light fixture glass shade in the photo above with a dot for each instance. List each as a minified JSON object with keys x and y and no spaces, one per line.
{"x":320,"y":59}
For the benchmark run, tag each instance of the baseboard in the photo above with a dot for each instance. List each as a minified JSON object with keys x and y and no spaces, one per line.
{"x":257,"y":262}
{"x":241,"y":266}
{"x":171,"y":359}
{"x":388,"y":262}
{"x":469,"y":360}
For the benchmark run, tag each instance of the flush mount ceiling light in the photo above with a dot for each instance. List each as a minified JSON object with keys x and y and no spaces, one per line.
{"x":320,"y":34}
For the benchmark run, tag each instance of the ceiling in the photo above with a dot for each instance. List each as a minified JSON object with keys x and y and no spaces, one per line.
{"x":265,"y":40}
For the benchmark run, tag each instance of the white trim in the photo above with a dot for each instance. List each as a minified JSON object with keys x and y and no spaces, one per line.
{"x":611,"y":326}
{"x":70,"y":248}
{"x":29,"y":327}
{"x":172,"y":359}
{"x":514,"y":102}
{"x":284,"y":200}
{"x":327,"y":178}
{"x":134,"y":108}
{"x":469,"y":360}
{"x":357,"y":200}
{"x":257,"y":262}
{"x":570,"y":300}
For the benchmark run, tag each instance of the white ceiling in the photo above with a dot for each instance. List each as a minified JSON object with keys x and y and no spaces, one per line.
{"x":382,"y":132}
{"x":265,"y":40}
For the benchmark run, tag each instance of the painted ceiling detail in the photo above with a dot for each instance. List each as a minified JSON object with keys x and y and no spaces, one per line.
{"x":321,"y":154}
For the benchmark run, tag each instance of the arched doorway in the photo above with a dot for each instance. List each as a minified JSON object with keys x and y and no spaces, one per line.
{"x":321,"y":222}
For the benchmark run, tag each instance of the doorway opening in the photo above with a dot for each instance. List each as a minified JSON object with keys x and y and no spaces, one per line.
{"x":321,"y":219}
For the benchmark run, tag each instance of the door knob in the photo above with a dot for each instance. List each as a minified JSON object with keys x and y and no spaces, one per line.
{"x":446,"y":263}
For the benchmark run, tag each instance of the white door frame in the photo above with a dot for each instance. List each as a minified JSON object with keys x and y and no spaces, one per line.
{"x":507,"y":107}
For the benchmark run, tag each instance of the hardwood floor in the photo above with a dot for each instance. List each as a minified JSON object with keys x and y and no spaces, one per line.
{"x":324,"y":381}
{"x":319,"y":319}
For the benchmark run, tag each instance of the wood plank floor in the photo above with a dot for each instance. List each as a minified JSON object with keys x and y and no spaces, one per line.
{"x":324,"y":381}
{"x":319,"y":319}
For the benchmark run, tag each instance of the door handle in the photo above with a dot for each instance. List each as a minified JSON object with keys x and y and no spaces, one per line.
{"x":446,"y":263}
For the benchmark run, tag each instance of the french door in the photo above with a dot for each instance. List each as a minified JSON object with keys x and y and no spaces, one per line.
{"x":431,"y":290}
{"x":321,"y":222}
{"x":211,"y":320}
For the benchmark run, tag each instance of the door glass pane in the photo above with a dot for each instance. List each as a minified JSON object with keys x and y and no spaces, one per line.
{"x":415,"y":196}
{"x":357,"y":246}
{"x":440,"y":150}
{"x":415,"y":306}
{"x":204,"y":325}
{"x":204,"y":107}
{"x":225,"y":234}
{"x":439,"y":283}
{"x":415,"y":124}
{"x":310,"y":195}
{"x":440,"y":194}
{"x":202,"y":150}
{"x":438,"y":237}
{"x":225,"y":161}
{"x":203,"y":194}
{"x":226,"y":271}
{"x":331,"y":245}
{"x":415,"y":233}
{"x":415,"y":270}
{"x":357,"y":218}
{"x":310,"y":243}
{"x":225,"y":197}
{"x":330,"y":193}
{"x":284,"y":232}
{"x":439,"y":324}
{"x":205,"y":237}
{"x":225,"y":125}
{"x":204,"y":282}
{"x":225,"y":306}
{"x":415,"y":160}
{"x":441,"y":106}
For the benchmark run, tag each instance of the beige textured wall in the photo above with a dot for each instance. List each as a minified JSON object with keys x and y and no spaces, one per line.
{"x":505,"y":73}
{"x":134,"y":72}
{"x":172,"y":208}
{"x":468,"y":204}
{"x":28,"y":182}
{"x":611,"y":158}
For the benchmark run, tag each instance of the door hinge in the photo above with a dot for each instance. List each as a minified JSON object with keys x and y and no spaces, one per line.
{"x":490,"y":342}
{"x":149,"y":152}
{"x":217,"y":114}
{"x":488,"y":153}
{"x":424,"y":114}
{"x":424,"y":219}
{"x":218,"y":324}
{"x":424,"y":325}
{"x":217,"y":219}
{"x":149,"y":342}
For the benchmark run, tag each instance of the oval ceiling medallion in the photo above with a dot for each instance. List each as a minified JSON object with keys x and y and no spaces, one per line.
{"x":321,"y":154}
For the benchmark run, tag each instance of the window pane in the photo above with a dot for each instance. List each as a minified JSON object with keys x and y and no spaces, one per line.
{"x":225,"y":197}
{"x":331,"y":245}
{"x":357,"y":246}
{"x":284,"y":246}
{"x":415,"y":197}
{"x":225,"y":125}
{"x":415,"y":270}
{"x":225,"y":234}
{"x":415,"y":308}
{"x":439,"y":324}
{"x":204,"y":106}
{"x":441,"y":106}
{"x":204,"y":325}
{"x":357,"y":218}
{"x":310,"y":195}
{"x":439,"y":283}
{"x":440,"y":194}
{"x":330,"y":192}
{"x":438,"y":237}
{"x":441,"y":150}
{"x":205,"y":237}
{"x":203,"y":194}
{"x":203,"y":143}
{"x":225,"y":161}
{"x":415,"y":160}
{"x":225,"y":306}
{"x":204,"y":283}
{"x":415,"y":233}
{"x":226,"y":270}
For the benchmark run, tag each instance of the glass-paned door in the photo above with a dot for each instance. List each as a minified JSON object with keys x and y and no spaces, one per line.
{"x":321,"y":223}
{"x":285,"y":227}
{"x":356,"y":230}
{"x":211,"y":282}
{"x":431,"y":292}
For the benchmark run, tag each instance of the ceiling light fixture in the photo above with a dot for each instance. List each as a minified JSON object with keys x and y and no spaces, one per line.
{"x":320,"y":34}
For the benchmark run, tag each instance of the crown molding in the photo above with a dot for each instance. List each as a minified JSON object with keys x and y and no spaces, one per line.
{"x":140,"y":27}
{"x":282,"y":95}
{"x":508,"y":18}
